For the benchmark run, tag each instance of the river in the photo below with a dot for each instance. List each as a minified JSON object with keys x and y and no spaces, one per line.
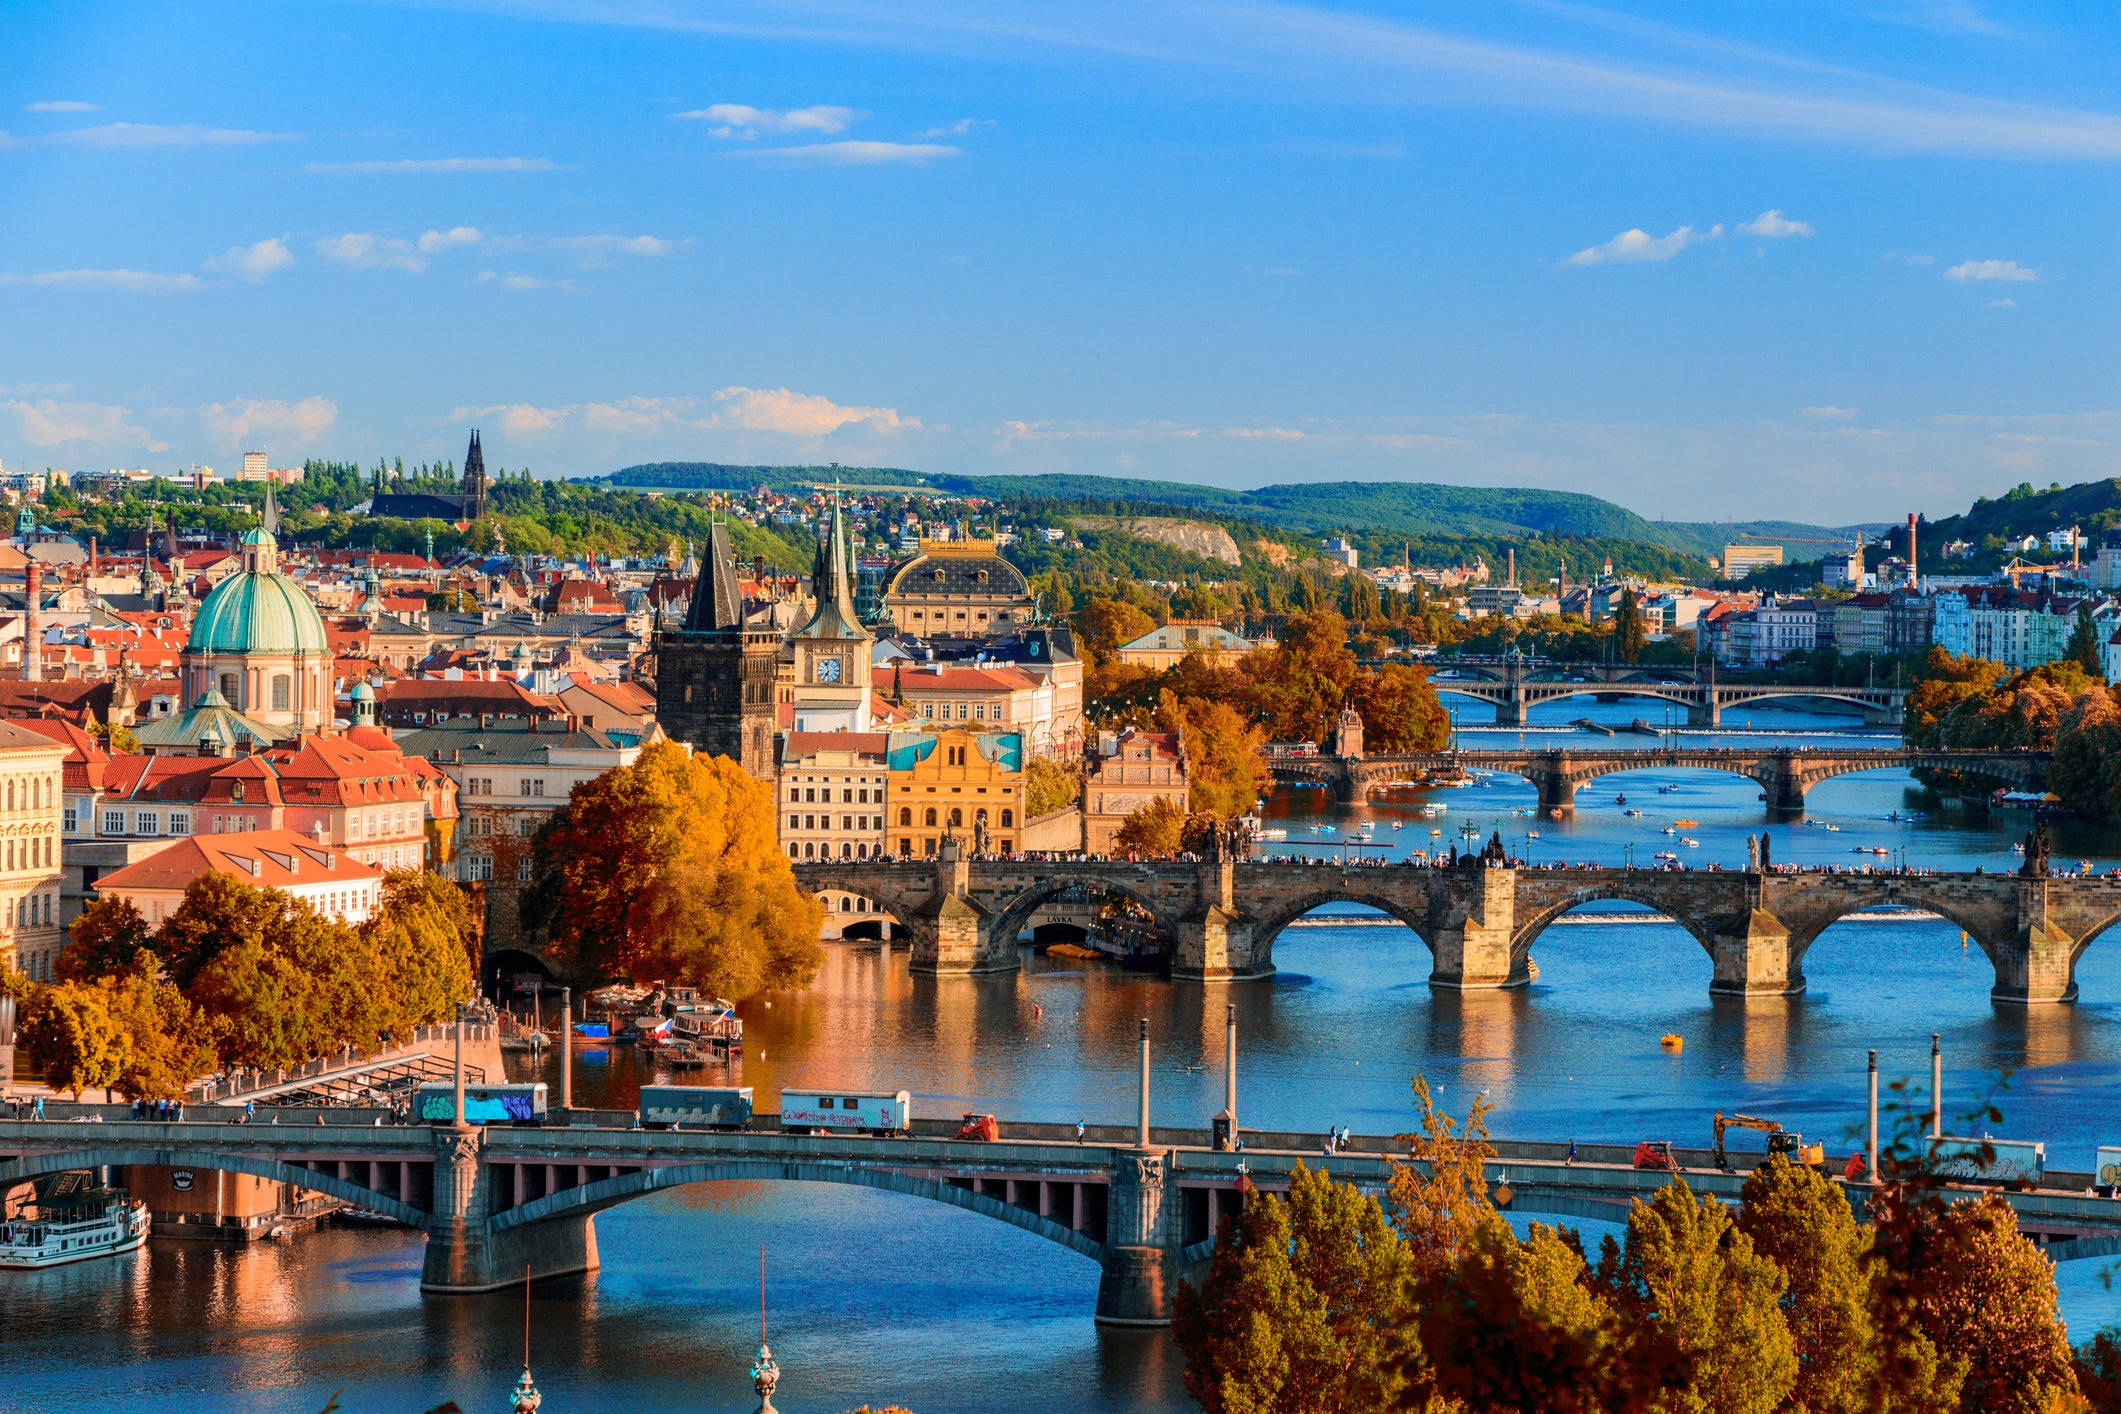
{"x":880,"y":1298}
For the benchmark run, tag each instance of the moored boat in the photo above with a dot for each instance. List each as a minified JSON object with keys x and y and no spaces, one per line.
{"x":70,"y":1221}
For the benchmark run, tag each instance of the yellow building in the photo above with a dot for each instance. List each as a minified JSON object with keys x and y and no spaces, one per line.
{"x":1129,"y":771}
{"x":31,"y":800}
{"x":967,"y":784}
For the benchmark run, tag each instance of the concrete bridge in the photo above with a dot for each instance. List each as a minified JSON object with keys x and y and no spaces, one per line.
{"x":1785,"y":774}
{"x":501,"y":1203}
{"x":1480,"y":925}
{"x":1514,"y":687}
{"x":496,"y":1204}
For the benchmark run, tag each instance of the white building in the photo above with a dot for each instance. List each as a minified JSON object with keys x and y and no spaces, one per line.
{"x":329,"y":880}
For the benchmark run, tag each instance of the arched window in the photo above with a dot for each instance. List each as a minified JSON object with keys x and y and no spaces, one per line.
{"x":957,"y":816}
{"x":846,"y":903}
{"x":1007,"y":813}
{"x":905,"y":815}
{"x":979,"y":816}
{"x":846,"y":850}
{"x":809,"y":850}
{"x":929,"y":821}
{"x":11,"y":793}
{"x":793,"y":852}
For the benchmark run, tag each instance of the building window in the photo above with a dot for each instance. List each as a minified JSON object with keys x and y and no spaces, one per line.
{"x":795,"y":822}
{"x":929,"y":820}
{"x":957,"y":816}
{"x":794,"y":851}
{"x":809,"y":850}
{"x":149,"y":822}
{"x":180,"y":822}
{"x":114,"y":822}
{"x":1006,"y":818}
{"x":71,"y":821}
{"x":523,"y":870}
{"x":479,"y":866}
{"x":281,"y":690}
{"x":228,"y":689}
{"x":905,"y":816}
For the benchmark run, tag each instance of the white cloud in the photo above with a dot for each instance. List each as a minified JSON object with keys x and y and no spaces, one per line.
{"x":433,"y":241}
{"x":148,"y":135}
{"x":1967,"y":270}
{"x":142,"y":282}
{"x":1633,"y":246}
{"x":1911,"y":259}
{"x":597,"y":251}
{"x":245,"y":421}
{"x":59,"y":105}
{"x":46,"y":423}
{"x":1774,"y":226}
{"x":797,"y":414}
{"x":438,"y":164}
{"x":365,"y":250}
{"x":2003,"y":304}
{"x":253,"y":262}
{"x":851,"y":154}
{"x":1827,"y":412}
{"x":961,"y":128}
{"x":514,"y":281}
{"x":741,"y":120}
{"x":1282,"y":434}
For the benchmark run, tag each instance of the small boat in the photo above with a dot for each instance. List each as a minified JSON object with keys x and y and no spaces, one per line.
{"x":70,"y":1221}
{"x":1690,"y":842}
{"x":1620,"y":800}
{"x":1880,"y":849}
{"x":1273,"y":834}
{"x":1632,"y":812}
{"x":369,"y":1217}
{"x":1686,"y":824}
{"x":1672,"y":1041}
{"x":1667,"y":856}
{"x":1669,"y":830}
{"x":1555,"y":813}
{"x":1399,"y":824}
{"x":1831,"y":829}
{"x":1531,"y":834}
{"x":2017,"y":849}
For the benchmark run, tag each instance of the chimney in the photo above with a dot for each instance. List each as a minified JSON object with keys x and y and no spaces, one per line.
{"x":91,"y":554}
{"x":1513,"y":566}
{"x":1914,"y":575}
{"x":33,"y":627}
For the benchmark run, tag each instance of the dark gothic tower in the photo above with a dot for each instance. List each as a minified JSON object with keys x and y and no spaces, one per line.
{"x":714,"y":678}
{"x":474,"y":480}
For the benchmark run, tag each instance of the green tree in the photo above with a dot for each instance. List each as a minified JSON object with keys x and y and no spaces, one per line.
{"x":1628,"y":635}
{"x":218,"y":911}
{"x":425,"y":941}
{"x":1304,"y":1307}
{"x":104,"y":939}
{"x":2083,"y":647}
{"x":1049,"y":785}
{"x":1687,"y":1276}
{"x":670,"y":868}
{"x":70,"y":1036}
{"x":1400,"y":711}
{"x":263,"y":1003}
{"x":1803,"y":1224}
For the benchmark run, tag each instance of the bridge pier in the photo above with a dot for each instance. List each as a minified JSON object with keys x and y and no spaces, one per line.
{"x":1217,"y":942}
{"x":1751,"y":953}
{"x":1557,"y":790}
{"x":2037,"y":966}
{"x":1140,"y":1244}
{"x":1474,"y":925}
{"x":953,"y":933}
{"x":1706,"y":713}
{"x":465,"y":1254}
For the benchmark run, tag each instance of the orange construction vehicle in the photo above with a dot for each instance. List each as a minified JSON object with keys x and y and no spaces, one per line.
{"x":980,"y":1127}
{"x":1785,"y":1142}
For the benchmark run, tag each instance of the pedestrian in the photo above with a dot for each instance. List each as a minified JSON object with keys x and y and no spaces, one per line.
{"x":40,"y":1107}
{"x":250,"y":1110}
{"x":1080,"y":1129}
{"x":1572,"y":1152}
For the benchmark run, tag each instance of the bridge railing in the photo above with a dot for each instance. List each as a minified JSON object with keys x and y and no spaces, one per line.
{"x":350,"y":1060}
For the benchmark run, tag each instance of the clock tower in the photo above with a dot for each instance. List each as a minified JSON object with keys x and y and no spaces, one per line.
{"x":832,"y":670}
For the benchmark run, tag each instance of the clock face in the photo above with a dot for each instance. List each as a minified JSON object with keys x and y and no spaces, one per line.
{"x":828,"y":670}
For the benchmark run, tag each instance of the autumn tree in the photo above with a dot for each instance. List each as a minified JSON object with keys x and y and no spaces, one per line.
{"x":2086,"y":771}
{"x":1304,"y":1307}
{"x":425,"y":941}
{"x":218,"y":911}
{"x":1439,"y":1198}
{"x":1942,"y":682}
{"x":1296,"y":686}
{"x":1400,"y":711}
{"x":1155,"y":831}
{"x":1049,"y":785}
{"x":263,"y":1002}
{"x":104,"y":939}
{"x":1687,"y":1276}
{"x":1803,"y":1224}
{"x":168,"y":1042}
{"x":1226,"y":763}
{"x":70,"y":1036}
{"x":671,"y":868}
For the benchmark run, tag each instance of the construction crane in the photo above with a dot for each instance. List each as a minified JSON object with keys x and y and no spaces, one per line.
{"x":1785,"y":1142}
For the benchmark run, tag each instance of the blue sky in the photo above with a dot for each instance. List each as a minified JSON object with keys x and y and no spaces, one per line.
{"x":1800,"y":258}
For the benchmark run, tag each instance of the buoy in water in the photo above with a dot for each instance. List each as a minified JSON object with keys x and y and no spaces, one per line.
{"x":1672,"y":1041}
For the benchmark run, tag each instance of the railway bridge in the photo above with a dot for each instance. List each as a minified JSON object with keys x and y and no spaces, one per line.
{"x":1480,"y":924}
{"x":497,"y":1204}
{"x":1785,"y":774}
{"x":1513,"y":687}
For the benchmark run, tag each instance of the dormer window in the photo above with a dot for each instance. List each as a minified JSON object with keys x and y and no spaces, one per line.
{"x":235,"y":792}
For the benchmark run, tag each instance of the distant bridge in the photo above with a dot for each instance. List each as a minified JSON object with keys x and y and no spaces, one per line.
{"x":496,"y":1204}
{"x":1479,"y":924}
{"x":1515,"y":686}
{"x":1784,"y":773}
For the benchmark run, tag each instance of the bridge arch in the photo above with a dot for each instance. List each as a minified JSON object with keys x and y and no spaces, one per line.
{"x":1011,"y":916}
{"x":610,"y":1192}
{"x":31,"y":1166}
{"x":1643,"y":895}
{"x":1271,"y":922}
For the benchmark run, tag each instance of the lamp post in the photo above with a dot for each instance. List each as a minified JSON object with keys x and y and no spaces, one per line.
{"x":1143,"y":1139}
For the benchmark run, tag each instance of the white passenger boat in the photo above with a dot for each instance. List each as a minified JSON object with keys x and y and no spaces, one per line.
{"x":65,"y":1225}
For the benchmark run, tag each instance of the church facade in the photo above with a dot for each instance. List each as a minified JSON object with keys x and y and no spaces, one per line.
{"x":714,"y":680}
{"x":424,"y":505}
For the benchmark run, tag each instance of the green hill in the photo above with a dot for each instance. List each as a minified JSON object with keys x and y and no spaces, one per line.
{"x":2093,"y":506}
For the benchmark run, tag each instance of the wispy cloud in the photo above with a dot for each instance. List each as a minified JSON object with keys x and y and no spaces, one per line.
{"x":1637,"y":246}
{"x":438,"y":165}
{"x":1976,"y":270}
{"x":49,"y":423}
{"x":514,"y":281}
{"x":365,"y":250}
{"x":245,"y":421}
{"x":741,"y":120}
{"x":1774,"y":226}
{"x":59,"y":105}
{"x":432,"y":242}
{"x":773,"y":410}
{"x":1827,"y":412}
{"x":850,"y":154}
{"x":2003,"y":304}
{"x":114,"y":135}
{"x":961,"y":128}
{"x":253,"y":262}
{"x":142,"y":282}
{"x":595,"y":252}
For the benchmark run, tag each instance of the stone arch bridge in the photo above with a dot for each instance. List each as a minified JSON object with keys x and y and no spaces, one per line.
{"x":1480,"y":925}
{"x":1514,"y":687}
{"x":1785,"y":774}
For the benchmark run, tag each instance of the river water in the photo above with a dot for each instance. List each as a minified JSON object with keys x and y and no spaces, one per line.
{"x":873,"y":1297}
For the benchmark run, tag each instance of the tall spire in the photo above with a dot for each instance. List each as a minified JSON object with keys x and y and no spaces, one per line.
{"x":717,"y":600}
{"x":272,"y":512}
{"x":474,"y":479}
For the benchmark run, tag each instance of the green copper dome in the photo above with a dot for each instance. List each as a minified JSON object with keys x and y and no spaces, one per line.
{"x":258,"y":612}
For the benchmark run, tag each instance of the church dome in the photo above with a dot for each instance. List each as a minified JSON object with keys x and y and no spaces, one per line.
{"x":258,"y":612}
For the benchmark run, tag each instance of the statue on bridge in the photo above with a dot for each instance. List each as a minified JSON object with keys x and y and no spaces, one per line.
{"x":979,"y":835}
{"x":1752,"y":854}
{"x":2036,"y":852}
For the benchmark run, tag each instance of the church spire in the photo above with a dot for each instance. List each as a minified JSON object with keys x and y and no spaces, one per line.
{"x":717,"y":599}
{"x":474,"y":479}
